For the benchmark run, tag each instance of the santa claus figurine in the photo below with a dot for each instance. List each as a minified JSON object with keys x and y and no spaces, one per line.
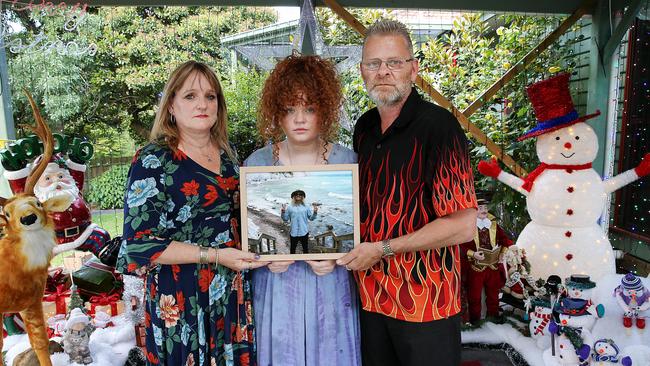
{"x":484,"y":255}
{"x":74,"y":229}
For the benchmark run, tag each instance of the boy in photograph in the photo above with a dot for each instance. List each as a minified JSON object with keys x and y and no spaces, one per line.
{"x":298,"y":213}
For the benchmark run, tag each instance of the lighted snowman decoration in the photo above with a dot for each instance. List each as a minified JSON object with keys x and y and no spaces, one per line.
{"x":564,"y":195}
{"x":606,"y":353}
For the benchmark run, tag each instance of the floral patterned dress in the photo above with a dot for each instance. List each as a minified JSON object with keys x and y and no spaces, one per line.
{"x":194,"y":314}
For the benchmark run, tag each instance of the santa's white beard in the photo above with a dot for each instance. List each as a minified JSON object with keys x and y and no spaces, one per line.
{"x":55,"y":190}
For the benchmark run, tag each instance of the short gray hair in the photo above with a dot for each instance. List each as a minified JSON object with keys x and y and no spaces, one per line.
{"x":389,"y":26}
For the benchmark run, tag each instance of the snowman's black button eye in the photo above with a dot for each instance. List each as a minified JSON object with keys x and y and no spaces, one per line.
{"x":557,"y":137}
{"x":577,"y":137}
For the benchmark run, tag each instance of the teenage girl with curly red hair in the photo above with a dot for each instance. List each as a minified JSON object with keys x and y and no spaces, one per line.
{"x":305,"y":312}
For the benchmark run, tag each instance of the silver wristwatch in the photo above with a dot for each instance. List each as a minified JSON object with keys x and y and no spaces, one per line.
{"x":387,"y":250}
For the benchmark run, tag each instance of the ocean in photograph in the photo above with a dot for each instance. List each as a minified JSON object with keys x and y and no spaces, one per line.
{"x":332,"y":190}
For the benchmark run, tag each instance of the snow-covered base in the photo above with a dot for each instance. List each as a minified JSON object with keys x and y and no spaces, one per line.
{"x":108,"y":346}
{"x":632,"y":342}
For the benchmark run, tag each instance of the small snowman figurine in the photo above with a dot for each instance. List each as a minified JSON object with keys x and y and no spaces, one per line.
{"x":578,"y":309}
{"x":634,"y":299}
{"x":572,"y":345}
{"x":606,"y":353}
{"x":77,"y":336}
{"x":540,"y":319}
{"x":565,"y":197}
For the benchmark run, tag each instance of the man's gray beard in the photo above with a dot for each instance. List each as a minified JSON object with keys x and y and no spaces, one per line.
{"x":44,"y":194}
{"x":388,"y":99}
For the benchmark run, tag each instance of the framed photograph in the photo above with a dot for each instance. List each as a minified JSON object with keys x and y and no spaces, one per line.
{"x":300,"y":212}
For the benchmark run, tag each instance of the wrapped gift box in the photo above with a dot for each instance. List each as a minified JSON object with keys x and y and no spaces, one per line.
{"x":107,"y":304}
{"x":49,"y":308}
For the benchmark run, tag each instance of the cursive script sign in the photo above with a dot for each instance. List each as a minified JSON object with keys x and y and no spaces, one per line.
{"x":74,"y":16}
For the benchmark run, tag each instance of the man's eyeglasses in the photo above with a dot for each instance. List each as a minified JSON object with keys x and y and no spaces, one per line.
{"x":391,"y":63}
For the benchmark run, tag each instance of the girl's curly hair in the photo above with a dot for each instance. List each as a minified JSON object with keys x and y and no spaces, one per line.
{"x":300,"y":79}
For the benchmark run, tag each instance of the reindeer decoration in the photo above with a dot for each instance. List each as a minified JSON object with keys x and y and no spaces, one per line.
{"x":26,"y":248}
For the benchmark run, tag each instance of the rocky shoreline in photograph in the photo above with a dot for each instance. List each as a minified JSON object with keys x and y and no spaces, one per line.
{"x":271,"y":225}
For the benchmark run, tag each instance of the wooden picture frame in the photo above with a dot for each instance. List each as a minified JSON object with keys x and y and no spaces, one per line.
{"x":333,"y":188}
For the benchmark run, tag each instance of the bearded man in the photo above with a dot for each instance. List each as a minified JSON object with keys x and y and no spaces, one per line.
{"x":418,"y":205}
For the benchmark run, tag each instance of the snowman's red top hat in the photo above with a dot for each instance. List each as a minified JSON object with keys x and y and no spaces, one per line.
{"x":553,"y":106}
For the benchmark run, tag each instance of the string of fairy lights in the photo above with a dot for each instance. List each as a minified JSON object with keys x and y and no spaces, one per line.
{"x":633,"y":204}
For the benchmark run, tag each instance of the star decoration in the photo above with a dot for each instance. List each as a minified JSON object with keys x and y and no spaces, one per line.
{"x":308,"y":40}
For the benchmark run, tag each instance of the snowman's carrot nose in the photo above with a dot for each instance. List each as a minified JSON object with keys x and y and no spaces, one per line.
{"x":567,"y":145}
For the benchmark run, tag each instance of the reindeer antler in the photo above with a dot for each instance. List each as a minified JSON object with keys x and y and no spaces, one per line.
{"x":42,"y":130}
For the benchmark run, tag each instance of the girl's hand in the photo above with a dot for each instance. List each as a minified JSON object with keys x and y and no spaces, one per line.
{"x":279,"y":266}
{"x":322,"y":268}
{"x":238,"y":260}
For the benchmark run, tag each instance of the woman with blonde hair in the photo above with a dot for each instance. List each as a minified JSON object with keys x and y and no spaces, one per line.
{"x":305,"y":312}
{"x":178,"y":231}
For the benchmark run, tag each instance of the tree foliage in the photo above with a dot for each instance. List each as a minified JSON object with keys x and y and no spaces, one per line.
{"x":117,"y":89}
{"x":242,"y":96}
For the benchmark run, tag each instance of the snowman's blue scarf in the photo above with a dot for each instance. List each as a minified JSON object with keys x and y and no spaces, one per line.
{"x":613,"y":359}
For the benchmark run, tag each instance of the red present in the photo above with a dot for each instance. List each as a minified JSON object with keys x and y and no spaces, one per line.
{"x":104,"y":300}
{"x":57,"y":296}
{"x":55,"y":277}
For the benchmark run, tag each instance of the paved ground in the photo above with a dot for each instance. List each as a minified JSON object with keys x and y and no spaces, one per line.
{"x":486,"y":357}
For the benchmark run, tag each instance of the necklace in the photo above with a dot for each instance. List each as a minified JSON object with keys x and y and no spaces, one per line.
{"x":200,"y":150}
{"x":289,"y":154}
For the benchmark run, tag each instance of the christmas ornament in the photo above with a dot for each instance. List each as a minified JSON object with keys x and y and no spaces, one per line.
{"x":606,"y":353}
{"x":571,"y":345}
{"x":77,"y":336}
{"x":519,"y":283}
{"x":576,"y":308}
{"x":133,"y":297}
{"x":634,"y":299}
{"x":540,"y":319}
{"x":485,"y":256}
{"x":26,"y":249}
{"x":74,"y":229}
{"x":565,"y":196}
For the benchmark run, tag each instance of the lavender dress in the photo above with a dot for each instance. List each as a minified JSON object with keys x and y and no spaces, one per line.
{"x":301,"y":318}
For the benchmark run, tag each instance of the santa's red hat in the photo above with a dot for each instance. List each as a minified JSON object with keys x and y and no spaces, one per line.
{"x":56,"y":159}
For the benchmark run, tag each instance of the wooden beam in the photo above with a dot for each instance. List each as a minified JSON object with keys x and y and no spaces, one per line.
{"x":510,"y":6}
{"x":346,"y":16}
{"x":464,"y":121}
{"x":621,"y":28}
{"x":470,"y":127}
{"x":529,"y":58}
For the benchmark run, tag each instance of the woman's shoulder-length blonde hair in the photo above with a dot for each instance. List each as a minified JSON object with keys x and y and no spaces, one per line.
{"x":165,"y":131}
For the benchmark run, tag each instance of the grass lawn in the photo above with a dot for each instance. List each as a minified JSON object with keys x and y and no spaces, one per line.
{"x":111,"y":221}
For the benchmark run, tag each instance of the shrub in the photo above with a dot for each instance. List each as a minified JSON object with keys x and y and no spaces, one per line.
{"x":107,"y":190}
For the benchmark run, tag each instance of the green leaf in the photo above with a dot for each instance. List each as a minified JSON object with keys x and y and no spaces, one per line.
{"x":136,"y":222}
{"x":134,"y":211}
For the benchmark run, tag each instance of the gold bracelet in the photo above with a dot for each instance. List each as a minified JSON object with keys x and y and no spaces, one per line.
{"x":203,"y":255}
{"x":216,"y":257}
